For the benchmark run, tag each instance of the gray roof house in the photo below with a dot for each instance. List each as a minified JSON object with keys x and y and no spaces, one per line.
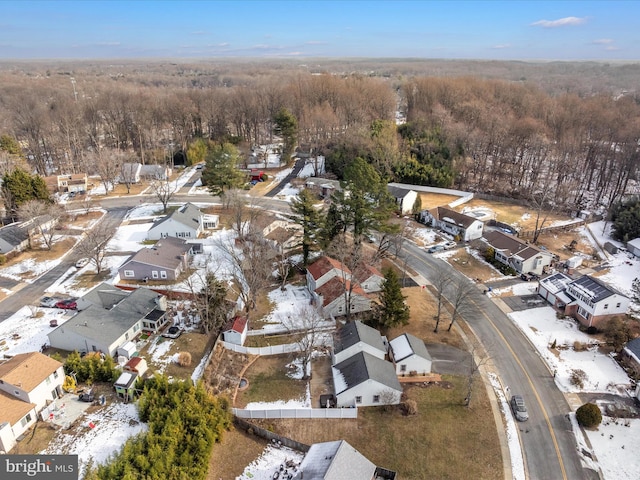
{"x":410,"y":354}
{"x":552,"y":289}
{"x":338,"y":460}
{"x":163,"y":261}
{"x":594,"y":302}
{"x":454,"y":223}
{"x":405,"y":198}
{"x":184,"y":222}
{"x":13,"y":238}
{"x":354,"y":337}
{"x":107,"y":324}
{"x":364,"y":380}
{"x":523,"y":257}
{"x":631,"y":357}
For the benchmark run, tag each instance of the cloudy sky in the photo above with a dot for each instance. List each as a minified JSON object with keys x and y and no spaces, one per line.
{"x":509,"y":29}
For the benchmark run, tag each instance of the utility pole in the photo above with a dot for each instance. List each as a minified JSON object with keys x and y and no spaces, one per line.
{"x":75,"y":93}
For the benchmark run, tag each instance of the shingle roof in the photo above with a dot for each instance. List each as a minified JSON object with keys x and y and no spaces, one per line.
{"x":167,"y":253}
{"x":445,"y":214}
{"x":406,"y":345}
{"x":363,"y":366}
{"x":355,"y":332}
{"x":324,"y":265}
{"x":335,"y":288}
{"x":105,"y":295}
{"x":335,"y":461}
{"x":13,"y":409}
{"x":634,"y":347}
{"x":28,"y":370}
{"x":188,"y":215}
{"x":398,"y":192}
{"x":512,"y":245}
{"x":14,"y":234}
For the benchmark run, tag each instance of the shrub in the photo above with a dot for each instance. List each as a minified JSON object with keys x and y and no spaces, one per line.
{"x":3,"y":259}
{"x":588,"y":415}
{"x":184,"y":359}
{"x":410,"y":407}
{"x":579,"y":346}
{"x":577,"y":378}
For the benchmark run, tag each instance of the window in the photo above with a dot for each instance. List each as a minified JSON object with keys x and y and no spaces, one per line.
{"x":618,"y":305}
{"x":606,"y":305}
{"x":55,"y":374}
{"x":126,"y":336}
{"x":339,"y":309}
{"x":26,"y":419}
{"x":154,"y":274}
{"x":358,"y":399}
{"x":403,"y":368}
{"x":129,"y":273}
{"x":163,"y":274}
{"x":48,"y":380}
{"x":376,"y":399}
{"x":145,"y":324}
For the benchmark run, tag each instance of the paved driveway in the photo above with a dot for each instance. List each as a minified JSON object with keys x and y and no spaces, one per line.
{"x":448,"y":360}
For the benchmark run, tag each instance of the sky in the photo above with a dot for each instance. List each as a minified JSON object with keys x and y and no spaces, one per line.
{"x":500,"y":30}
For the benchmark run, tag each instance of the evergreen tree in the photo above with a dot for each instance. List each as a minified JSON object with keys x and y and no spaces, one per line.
{"x":626,"y":220}
{"x":392,"y":310}
{"x":19,"y":186}
{"x":221,"y":171}
{"x":308,"y":217}
{"x":286,"y":126}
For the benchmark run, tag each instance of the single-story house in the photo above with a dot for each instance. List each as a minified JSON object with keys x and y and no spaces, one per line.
{"x":165,"y":260}
{"x":104,"y":295}
{"x":137,"y":365}
{"x":410,"y":355}
{"x":323,"y":187}
{"x":184,"y":222}
{"x":631,"y":355}
{"x":130,"y":172}
{"x":364,"y":380}
{"x":332,"y":460}
{"x":405,"y":199}
{"x":594,"y":302}
{"x":354,"y":337}
{"x":280,"y":233}
{"x":14,"y":238}
{"x":464,"y":227}
{"x":106,"y":326}
{"x":552,"y":289}
{"x":236,"y":331}
{"x":634,"y":246}
{"x":134,"y":172}
{"x":125,"y":385}
{"x":518,"y":254}
{"x":28,"y":382}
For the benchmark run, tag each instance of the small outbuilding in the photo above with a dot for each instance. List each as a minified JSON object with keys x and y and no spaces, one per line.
{"x":236,"y":331}
{"x":410,"y":355}
{"x":137,"y":365}
{"x":125,"y":385}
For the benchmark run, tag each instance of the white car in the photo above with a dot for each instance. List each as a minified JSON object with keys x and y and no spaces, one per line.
{"x":83,"y":262}
{"x":450,"y":245}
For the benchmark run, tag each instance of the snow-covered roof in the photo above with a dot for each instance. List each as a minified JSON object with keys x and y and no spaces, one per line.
{"x":335,"y":461}
{"x":556,"y":283}
{"x":406,"y":345}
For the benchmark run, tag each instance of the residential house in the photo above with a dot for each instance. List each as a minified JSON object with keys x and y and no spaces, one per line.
{"x":405,"y":199}
{"x":323,"y":270}
{"x":634,"y":246}
{"x":410,"y":355}
{"x":355,"y":337}
{"x":236,"y":331}
{"x":14,"y":238}
{"x":338,"y":460}
{"x":369,"y":278}
{"x":130,"y":172}
{"x":112,"y":321}
{"x":137,"y":365}
{"x":104,"y":295}
{"x":552,"y":289}
{"x":331,"y":299}
{"x":125,"y":385}
{"x":456,"y":224}
{"x":28,"y":382}
{"x":76,"y":182}
{"x":594,"y":302}
{"x":184,"y":222}
{"x":631,"y":356}
{"x":155,"y":172}
{"x":284,"y":235}
{"x":165,"y":260}
{"x":518,"y":254}
{"x":365,"y":380}
{"x":323,"y":187}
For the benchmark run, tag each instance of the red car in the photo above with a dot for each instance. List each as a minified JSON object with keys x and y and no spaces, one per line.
{"x":68,"y":304}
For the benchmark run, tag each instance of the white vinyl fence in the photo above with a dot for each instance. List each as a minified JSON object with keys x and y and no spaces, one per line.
{"x":270,"y":350}
{"x":297,"y":413}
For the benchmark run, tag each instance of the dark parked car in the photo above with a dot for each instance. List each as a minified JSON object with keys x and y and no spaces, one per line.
{"x":86,"y":397}
{"x":68,"y":304}
{"x":528,"y":277}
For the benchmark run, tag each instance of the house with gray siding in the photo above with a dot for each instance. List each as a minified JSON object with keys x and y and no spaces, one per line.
{"x":185,"y":222}
{"x":165,"y":260}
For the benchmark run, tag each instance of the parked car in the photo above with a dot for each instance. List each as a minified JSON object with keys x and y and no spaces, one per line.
{"x":450,"y":245}
{"x":172,"y":332}
{"x":49,"y":302}
{"x":519,"y":408}
{"x":86,"y":397}
{"x":527,"y":277}
{"x":83,"y":262}
{"x":67,"y":304}
{"x":435,"y":248}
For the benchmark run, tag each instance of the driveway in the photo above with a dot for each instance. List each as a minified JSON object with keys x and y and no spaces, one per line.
{"x":448,"y":360}
{"x":294,"y":173}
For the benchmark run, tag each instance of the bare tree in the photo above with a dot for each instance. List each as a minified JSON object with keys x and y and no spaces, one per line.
{"x":209,"y":300}
{"x":283,"y":263}
{"x":94,"y":245}
{"x":388,"y":398}
{"x":478,"y":357}
{"x":127,"y":176}
{"x":44,"y":217}
{"x":310,"y":332}
{"x":164,"y":190}
{"x":441,"y":281}
{"x":350,"y":255}
{"x":107,"y":164}
{"x":460,"y":298}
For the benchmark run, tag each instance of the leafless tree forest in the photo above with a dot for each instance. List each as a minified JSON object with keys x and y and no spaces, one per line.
{"x":516,"y":129}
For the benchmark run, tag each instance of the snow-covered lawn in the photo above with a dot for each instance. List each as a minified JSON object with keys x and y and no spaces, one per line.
{"x":264,"y":467}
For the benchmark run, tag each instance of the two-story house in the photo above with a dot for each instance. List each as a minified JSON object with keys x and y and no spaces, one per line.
{"x":523,"y":257}
{"x":594,"y":302}
{"x":456,"y":224}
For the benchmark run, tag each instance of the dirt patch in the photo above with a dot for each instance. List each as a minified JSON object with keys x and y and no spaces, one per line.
{"x":471,"y":267}
{"x":196,"y":345}
{"x":432,"y":200}
{"x":239,"y":446}
{"x":36,"y":440}
{"x":224,"y":371}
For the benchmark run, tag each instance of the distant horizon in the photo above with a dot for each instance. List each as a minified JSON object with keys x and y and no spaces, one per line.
{"x":483,"y":30}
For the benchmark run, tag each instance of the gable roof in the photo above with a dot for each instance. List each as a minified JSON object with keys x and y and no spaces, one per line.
{"x":633,"y":347}
{"x":398,"y":192}
{"x":513,"y":246}
{"x":363,"y":272}
{"x":105,"y":295}
{"x":354,"y":332}
{"x":335,"y":288}
{"x":556,"y":283}
{"x":238,"y":324}
{"x":167,"y":252}
{"x":188,"y":215}
{"x":14,"y":234}
{"x":126,"y":379}
{"x":594,"y":289}
{"x":362,"y":367}
{"x":335,"y":461}
{"x":407,"y":345}
{"x":13,"y":409}
{"x":28,"y":370}
{"x":448,"y":215}
{"x":634,"y":243}
{"x":324,"y":265}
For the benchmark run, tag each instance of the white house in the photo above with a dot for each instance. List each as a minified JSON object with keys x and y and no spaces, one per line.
{"x":236,"y":331}
{"x":369,"y":278}
{"x":323,"y":270}
{"x":456,"y":224}
{"x":634,"y":246}
{"x":523,"y":257}
{"x":355,"y":337}
{"x":410,"y":355}
{"x":364,"y":380}
{"x":552,"y":289}
{"x":594,"y":302}
{"x":186,"y":222}
{"x":28,"y":381}
{"x":330,"y":298}
{"x":283,"y":234}
{"x":405,"y":199}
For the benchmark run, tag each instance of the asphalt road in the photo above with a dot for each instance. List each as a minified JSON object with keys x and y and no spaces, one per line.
{"x":549,"y":446}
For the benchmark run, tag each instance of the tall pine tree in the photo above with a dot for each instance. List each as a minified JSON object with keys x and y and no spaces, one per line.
{"x":308,"y":217}
{"x":392,"y":310}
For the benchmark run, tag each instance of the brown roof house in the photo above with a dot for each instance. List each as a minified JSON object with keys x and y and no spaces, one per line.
{"x":28,"y":383}
{"x":518,"y":254}
{"x":164,"y":261}
{"x":457,"y":224}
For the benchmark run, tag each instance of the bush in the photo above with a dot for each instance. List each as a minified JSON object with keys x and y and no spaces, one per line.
{"x":3,"y":259}
{"x":184,"y":359}
{"x":577,"y":378}
{"x":588,"y":415}
{"x":410,"y":407}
